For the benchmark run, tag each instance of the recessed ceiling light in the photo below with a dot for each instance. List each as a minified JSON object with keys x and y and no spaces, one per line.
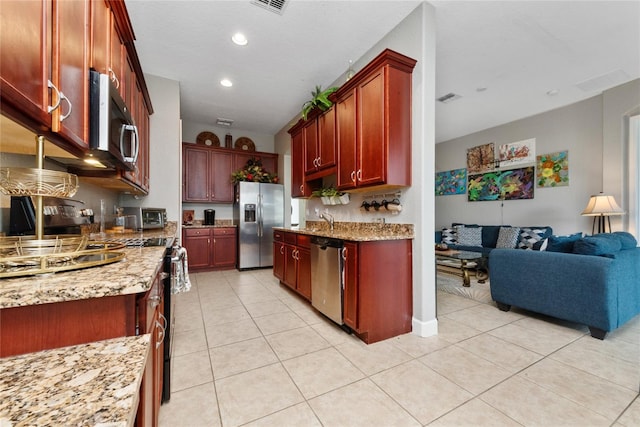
{"x":239,"y":39}
{"x":226,"y":83}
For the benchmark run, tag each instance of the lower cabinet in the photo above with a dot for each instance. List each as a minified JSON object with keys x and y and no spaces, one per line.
{"x":210,"y":248}
{"x":378,"y":296}
{"x":292,"y":261}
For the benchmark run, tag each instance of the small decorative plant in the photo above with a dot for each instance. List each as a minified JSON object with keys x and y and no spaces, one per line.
{"x":320,"y":100}
{"x":331,"y":196}
{"x":253,"y":172}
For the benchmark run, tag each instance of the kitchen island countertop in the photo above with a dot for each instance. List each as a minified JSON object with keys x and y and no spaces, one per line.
{"x":88,"y":384}
{"x":134,"y":274}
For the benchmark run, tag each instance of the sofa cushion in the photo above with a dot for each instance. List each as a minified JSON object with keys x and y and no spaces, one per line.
{"x":626,"y":239}
{"x":563,"y":243}
{"x":449,"y":236}
{"x":469,"y":236}
{"x":597,"y":245}
{"x":508,"y":237}
{"x":533,"y":237}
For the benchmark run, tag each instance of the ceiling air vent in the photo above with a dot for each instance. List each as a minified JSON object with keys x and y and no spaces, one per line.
{"x":276,"y":6}
{"x":224,"y":122}
{"x":449,"y":97}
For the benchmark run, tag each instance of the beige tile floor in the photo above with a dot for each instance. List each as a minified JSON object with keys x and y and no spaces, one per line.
{"x":250,"y":352}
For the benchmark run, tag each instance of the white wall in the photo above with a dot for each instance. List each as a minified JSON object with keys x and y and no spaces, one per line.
{"x":165,"y":150}
{"x":414,"y":37}
{"x":578,"y":128}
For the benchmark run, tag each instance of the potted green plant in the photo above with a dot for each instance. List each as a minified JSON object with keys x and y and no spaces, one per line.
{"x":320,"y":99}
{"x":331,"y":196}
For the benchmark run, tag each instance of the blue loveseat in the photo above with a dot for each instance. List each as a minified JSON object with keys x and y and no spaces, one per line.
{"x":596,"y":281}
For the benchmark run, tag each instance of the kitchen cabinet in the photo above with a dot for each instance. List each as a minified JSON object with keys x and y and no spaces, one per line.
{"x":207,"y":172}
{"x":377,"y":299}
{"x":151,"y":320}
{"x":373,"y":120}
{"x":296,"y":266}
{"x":320,"y":145}
{"x":210,"y":248}
{"x":299,"y":188}
{"x":44,"y":47}
{"x":278,"y":254}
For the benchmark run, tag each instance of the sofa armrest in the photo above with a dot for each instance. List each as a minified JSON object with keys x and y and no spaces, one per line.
{"x":578,"y":288}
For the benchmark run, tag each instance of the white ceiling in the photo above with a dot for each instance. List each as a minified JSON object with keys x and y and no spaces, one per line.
{"x":517,"y":50}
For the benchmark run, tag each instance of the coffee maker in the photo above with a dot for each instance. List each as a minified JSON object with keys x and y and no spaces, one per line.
{"x":209,"y":217}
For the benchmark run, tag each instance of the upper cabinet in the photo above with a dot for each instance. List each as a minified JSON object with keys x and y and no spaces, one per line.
{"x":206,"y":172}
{"x":46,"y":50}
{"x":374,"y":124}
{"x":365,"y":138}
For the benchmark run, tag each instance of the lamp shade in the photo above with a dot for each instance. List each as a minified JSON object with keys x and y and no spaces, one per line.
{"x":602,"y":205}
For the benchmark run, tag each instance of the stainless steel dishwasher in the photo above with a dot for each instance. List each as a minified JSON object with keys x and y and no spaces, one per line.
{"x":326,"y":277}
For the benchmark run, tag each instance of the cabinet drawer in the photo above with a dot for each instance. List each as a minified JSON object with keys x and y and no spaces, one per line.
{"x":278,"y":236}
{"x":290,"y":238}
{"x":193,"y":232}
{"x":304,"y":240}
{"x":224,"y":231}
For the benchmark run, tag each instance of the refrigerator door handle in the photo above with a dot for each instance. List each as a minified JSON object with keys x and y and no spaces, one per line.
{"x":260,"y":219}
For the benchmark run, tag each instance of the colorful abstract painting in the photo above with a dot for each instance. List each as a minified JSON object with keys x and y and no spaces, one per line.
{"x":481,"y":158}
{"x":451,"y":182}
{"x":553,"y":170}
{"x":514,"y":184}
{"x":516,"y":153}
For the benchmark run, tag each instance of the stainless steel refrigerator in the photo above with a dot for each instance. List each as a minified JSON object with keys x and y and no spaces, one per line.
{"x":257,"y":209}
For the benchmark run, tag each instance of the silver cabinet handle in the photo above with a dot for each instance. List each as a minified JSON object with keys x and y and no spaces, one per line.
{"x":64,"y":116}
{"x":281,"y":249}
{"x":353,"y":176}
{"x":114,"y":78}
{"x":301,"y":188}
{"x":50,"y":85}
{"x":359,"y":175}
{"x":344,"y":254}
{"x":161,"y":333}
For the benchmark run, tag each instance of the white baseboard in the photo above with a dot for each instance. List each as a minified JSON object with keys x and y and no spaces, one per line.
{"x":424,"y":329}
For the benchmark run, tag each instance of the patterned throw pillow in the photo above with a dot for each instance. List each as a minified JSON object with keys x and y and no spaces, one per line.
{"x":508,"y":237}
{"x":449,"y":236}
{"x":469,"y":236}
{"x":533,"y":238}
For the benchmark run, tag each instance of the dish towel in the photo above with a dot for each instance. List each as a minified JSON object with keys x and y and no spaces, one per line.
{"x":180,"y":275}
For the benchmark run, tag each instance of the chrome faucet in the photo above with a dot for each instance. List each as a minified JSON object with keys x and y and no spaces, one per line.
{"x":328,"y":218}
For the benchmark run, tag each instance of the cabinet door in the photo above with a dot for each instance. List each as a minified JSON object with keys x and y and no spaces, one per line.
{"x":371,"y":131}
{"x":297,"y":169}
{"x":100,"y":36}
{"x":158,"y":357}
{"x":118,"y":52}
{"x":25,"y":55}
{"x":310,"y":137}
{"x":327,"y":139}
{"x":278,"y":260}
{"x":350,"y":296}
{"x":346,"y":135}
{"x":221,"y":186}
{"x":195,"y":175}
{"x":224,"y":247}
{"x":198,"y":247}
{"x":303,"y":285}
{"x":70,"y":68}
{"x":290,"y":266}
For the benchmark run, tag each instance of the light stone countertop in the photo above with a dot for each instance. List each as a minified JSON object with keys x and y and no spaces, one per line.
{"x":95,"y":384}
{"x":355,"y":231}
{"x":134,"y":274}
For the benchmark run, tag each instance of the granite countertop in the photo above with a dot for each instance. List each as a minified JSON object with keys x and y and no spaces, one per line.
{"x":134,"y":274}
{"x":89,"y":384}
{"x":355,"y":231}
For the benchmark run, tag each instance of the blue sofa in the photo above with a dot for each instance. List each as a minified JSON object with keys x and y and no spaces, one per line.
{"x":489,"y":237}
{"x":596,"y":281}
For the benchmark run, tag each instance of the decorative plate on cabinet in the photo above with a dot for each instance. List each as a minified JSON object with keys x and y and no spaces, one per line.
{"x":208,"y":138}
{"x":245,"y":144}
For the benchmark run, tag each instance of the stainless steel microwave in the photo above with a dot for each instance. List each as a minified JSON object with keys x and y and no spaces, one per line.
{"x":113,"y":135}
{"x":147,"y":218}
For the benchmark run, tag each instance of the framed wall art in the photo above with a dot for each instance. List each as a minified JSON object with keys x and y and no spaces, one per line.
{"x":481,"y":158}
{"x":553,"y":170}
{"x":451,"y":182}
{"x":516,"y":153}
{"x":514,"y":184}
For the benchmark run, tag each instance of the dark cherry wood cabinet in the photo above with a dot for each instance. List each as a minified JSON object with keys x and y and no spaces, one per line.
{"x":25,"y":54}
{"x":310,"y":138}
{"x":207,"y":171}
{"x":211,"y":248}
{"x":225,"y":247}
{"x":377,"y":300}
{"x":299,"y":187}
{"x":374,"y":124}
{"x":320,"y":145}
{"x":292,"y":262}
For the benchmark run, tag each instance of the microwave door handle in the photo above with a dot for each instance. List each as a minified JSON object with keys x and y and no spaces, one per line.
{"x":136,"y":138}
{"x":134,"y":144}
